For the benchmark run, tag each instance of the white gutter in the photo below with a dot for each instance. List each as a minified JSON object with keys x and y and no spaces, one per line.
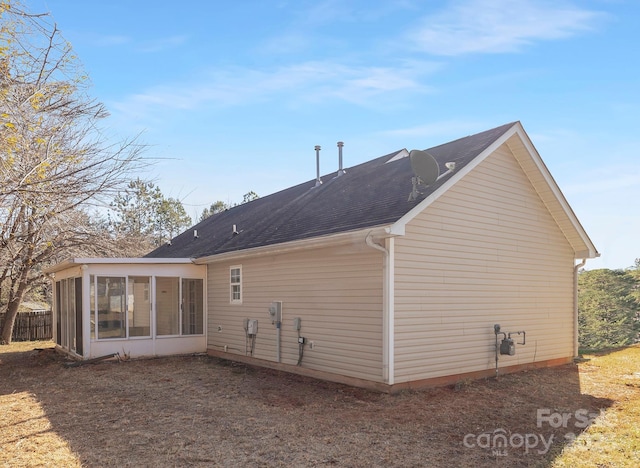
{"x":388,"y":311}
{"x":575,"y":306}
{"x":292,"y":246}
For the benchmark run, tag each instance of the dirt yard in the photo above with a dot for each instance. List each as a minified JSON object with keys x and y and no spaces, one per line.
{"x":202,"y":411}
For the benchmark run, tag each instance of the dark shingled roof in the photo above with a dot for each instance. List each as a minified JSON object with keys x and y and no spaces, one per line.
{"x":370,"y":194}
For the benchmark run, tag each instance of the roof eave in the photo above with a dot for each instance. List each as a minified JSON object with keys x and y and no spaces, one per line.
{"x":301,"y":244}
{"x":69,"y":262}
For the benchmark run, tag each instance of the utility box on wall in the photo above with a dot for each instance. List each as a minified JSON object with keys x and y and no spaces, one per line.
{"x":252,"y":327}
{"x":275,"y":311}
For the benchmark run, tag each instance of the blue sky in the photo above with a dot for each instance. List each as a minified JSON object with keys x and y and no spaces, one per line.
{"x":233,"y":96}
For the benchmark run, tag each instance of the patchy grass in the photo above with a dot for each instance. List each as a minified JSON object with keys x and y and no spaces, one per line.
{"x":613,"y":440}
{"x":202,"y":411}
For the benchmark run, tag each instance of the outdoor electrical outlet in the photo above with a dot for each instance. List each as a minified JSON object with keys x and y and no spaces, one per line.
{"x":312,"y":344}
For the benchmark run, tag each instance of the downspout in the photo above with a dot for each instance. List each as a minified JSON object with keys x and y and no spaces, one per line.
{"x":575,"y":306}
{"x":278,"y":329}
{"x":387,"y":308}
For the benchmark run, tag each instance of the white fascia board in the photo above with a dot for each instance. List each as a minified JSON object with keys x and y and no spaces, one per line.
{"x":399,"y":226}
{"x":309,"y":243}
{"x":113,"y":261}
{"x":583,"y":254}
{"x":555,"y":189}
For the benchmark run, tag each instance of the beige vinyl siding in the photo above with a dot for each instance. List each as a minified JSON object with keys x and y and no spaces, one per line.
{"x":487,"y":251}
{"x":336,"y":292}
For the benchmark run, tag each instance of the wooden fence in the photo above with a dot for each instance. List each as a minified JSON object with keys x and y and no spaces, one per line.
{"x":32,"y":326}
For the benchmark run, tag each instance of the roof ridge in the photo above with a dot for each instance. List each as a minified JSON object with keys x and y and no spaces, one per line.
{"x":505,"y":126}
{"x":370,"y":193}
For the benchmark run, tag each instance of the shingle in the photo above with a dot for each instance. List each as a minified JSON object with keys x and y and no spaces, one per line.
{"x":371,"y":194}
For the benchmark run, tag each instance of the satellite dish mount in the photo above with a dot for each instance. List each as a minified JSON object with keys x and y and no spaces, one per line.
{"x":426,"y":170}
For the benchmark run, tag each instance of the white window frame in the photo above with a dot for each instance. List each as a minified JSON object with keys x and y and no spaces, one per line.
{"x":96,"y":314}
{"x":238,"y":283}
{"x":183,"y":309}
{"x":152,"y":288}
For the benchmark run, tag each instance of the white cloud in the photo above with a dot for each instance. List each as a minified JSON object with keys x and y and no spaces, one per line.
{"x":307,"y":29}
{"x":303,"y":82}
{"x":607,"y":179}
{"x":149,"y":45}
{"x":287,"y":43}
{"x":111,"y":40}
{"x":443,"y":129}
{"x":499,"y":26}
{"x":161,"y":44}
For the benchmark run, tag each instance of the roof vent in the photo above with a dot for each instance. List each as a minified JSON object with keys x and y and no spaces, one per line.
{"x":195,"y":233}
{"x":318,"y":179}
{"x":340,"y":170}
{"x":235,"y":231}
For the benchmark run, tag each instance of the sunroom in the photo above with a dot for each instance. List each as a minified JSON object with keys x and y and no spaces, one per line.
{"x":132,"y":306}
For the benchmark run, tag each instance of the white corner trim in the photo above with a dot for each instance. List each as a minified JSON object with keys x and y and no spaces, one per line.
{"x":388,"y":305}
{"x":391,"y":312}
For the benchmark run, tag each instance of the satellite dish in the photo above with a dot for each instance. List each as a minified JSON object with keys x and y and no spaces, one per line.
{"x":424,"y":166}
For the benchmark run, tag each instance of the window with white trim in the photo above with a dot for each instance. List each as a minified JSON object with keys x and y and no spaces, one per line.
{"x":235,"y":284}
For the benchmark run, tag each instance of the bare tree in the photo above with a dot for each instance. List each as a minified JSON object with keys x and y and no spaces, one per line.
{"x":54,"y":161}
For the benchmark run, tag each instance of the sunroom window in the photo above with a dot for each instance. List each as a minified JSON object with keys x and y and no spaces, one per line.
{"x":122,"y":307}
{"x":167,"y":306}
{"x":111,"y":299}
{"x":192,"y":306}
{"x":139,"y":306}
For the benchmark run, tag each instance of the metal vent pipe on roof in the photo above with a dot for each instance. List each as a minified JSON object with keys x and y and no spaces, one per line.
{"x":318,"y":179}
{"x":340,"y":170}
